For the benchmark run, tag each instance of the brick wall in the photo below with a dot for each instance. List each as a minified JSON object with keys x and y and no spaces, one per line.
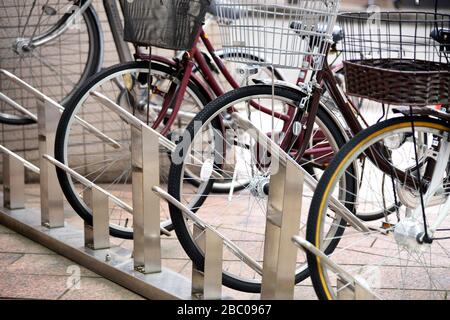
{"x":23,"y":139}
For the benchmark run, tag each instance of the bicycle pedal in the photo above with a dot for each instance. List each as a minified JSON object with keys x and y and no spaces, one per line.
{"x":387,"y":226}
{"x":297,"y":128}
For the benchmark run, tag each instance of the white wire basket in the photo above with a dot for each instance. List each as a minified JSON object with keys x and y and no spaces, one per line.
{"x":278,"y":33}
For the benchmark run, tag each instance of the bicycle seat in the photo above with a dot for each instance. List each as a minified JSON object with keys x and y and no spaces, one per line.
{"x":227,"y":12}
{"x":442,"y":36}
{"x":337,"y":34}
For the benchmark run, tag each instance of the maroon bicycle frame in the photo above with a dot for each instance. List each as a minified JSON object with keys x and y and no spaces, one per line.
{"x":175,"y":94}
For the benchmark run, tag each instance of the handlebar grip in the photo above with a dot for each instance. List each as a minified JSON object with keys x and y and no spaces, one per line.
{"x":227,"y":12}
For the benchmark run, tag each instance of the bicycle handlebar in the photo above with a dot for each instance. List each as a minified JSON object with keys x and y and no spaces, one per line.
{"x":228,"y":11}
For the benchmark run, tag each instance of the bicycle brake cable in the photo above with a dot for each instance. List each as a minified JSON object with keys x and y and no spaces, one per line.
{"x":425,"y":237}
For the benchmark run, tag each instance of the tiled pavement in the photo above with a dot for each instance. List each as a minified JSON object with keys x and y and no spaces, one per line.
{"x":30,"y":271}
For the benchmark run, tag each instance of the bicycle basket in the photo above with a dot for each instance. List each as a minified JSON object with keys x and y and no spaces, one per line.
{"x":276,"y":33}
{"x":169,"y":24}
{"x":399,"y":58}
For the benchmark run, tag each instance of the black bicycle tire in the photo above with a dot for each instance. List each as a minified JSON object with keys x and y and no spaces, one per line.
{"x":63,"y":177}
{"x":176,"y":170}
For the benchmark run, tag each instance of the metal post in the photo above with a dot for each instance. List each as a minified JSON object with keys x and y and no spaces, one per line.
{"x":349,"y":287}
{"x":52,"y":204}
{"x":13,"y":183}
{"x":96,"y":236}
{"x":283,"y":221}
{"x":207,"y":284}
{"x":356,"y":292}
{"x":344,"y":292}
{"x":146,"y":206}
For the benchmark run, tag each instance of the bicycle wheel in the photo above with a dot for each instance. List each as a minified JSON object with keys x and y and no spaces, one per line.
{"x":127,"y":85}
{"x":57,"y":67}
{"x":389,"y":260}
{"x":240,"y":214}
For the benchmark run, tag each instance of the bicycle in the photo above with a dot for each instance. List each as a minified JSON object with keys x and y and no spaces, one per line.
{"x":214,"y":137}
{"x":394,"y":259}
{"x":312,"y":137}
{"x":164,"y":93}
{"x":403,"y":256}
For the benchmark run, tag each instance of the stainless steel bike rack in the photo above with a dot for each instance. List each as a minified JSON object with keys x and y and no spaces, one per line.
{"x":140,"y":270}
{"x":91,"y":247}
{"x":52,"y":199}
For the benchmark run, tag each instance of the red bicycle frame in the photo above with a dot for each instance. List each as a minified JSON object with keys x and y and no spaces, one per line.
{"x":175,"y":95}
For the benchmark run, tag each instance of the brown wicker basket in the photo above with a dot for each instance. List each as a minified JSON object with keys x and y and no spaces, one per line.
{"x":399,"y":82}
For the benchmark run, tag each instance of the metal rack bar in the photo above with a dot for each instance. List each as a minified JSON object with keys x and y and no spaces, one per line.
{"x":18,"y":107}
{"x":146,"y":205}
{"x":36,"y":93}
{"x":353,"y":288}
{"x":135,"y":122}
{"x":24,"y":162}
{"x":13,"y":183}
{"x":207,"y":282}
{"x":132,"y":120}
{"x":96,"y":236}
{"x":238,"y":252}
{"x":92,"y":185}
{"x":14,"y":178}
